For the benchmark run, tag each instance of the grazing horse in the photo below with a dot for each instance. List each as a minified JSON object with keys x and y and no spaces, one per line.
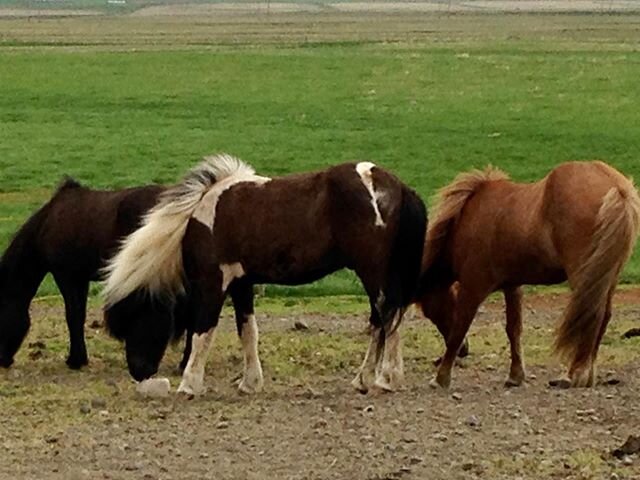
{"x":224,"y":229}
{"x":70,"y":236}
{"x":579,"y":223}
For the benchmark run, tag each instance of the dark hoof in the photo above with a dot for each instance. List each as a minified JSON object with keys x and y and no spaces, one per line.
{"x":512,"y":383}
{"x":560,"y":383}
{"x":6,"y":362}
{"x":77,"y":363}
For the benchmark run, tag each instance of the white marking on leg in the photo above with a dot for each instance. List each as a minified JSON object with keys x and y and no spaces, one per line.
{"x":364,"y":170}
{"x":391,"y":374}
{"x":230,"y":271}
{"x":366,"y":374}
{"x":252,"y":380}
{"x":192,"y":378}
{"x":206,"y":211}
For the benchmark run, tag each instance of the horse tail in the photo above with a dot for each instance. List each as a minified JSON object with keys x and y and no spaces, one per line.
{"x":449,"y":202}
{"x":404,"y":264}
{"x":616,"y":231}
{"x":149,"y":260}
{"x":409,"y":244}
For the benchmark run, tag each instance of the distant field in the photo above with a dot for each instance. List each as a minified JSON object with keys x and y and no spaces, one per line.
{"x":125,"y":100}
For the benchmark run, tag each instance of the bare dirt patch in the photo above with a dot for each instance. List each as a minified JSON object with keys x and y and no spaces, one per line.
{"x":308,"y":423}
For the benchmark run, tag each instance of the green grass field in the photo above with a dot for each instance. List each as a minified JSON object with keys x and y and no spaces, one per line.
{"x":121,"y":100}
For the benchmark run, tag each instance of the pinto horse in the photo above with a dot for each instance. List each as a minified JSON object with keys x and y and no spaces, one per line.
{"x":70,"y":236}
{"x":224,"y":229}
{"x":579,"y":223}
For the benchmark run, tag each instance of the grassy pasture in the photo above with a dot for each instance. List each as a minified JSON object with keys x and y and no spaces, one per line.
{"x":125,"y":100}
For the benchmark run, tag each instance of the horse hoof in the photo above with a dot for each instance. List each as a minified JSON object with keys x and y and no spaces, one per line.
{"x":434,"y":383}
{"x":249,"y":388}
{"x":77,"y":363}
{"x":560,"y":383}
{"x":385,"y":384}
{"x":190,"y":390}
{"x":359,"y":385}
{"x":510,"y":383}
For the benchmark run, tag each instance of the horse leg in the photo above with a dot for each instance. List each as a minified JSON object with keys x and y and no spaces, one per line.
{"x":242,"y":297}
{"x":390,"y":375}
{"x":367,"y":371}
{"x":208,"y":298}
{"x":183,"y":322}
{"x":75,"y":294}
{"x":513,"y":301}
{"x":465,"y":310}
{"x":187,"y":350}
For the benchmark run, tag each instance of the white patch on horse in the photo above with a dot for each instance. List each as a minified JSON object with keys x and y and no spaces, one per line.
{"x":390,"y":376}
{"x":252,"y":380}
{"x":192,"y":379}
{"x":206,"y":211}
{"x":364,"y":170}
{"x":230,"y":271}
{"x":367,"y":372}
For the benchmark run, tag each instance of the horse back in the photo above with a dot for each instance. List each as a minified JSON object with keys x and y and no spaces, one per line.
{"x":81,"y":226}
{"x":504,"y":236}
{"x":297,"y":228}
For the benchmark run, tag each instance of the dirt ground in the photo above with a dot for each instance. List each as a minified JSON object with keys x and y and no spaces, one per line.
{"x":308,"y":423}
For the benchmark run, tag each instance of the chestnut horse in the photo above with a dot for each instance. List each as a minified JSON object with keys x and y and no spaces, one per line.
{"x":224,"y":229}
{"x":579,"y":224}
{"x":70,"y":237}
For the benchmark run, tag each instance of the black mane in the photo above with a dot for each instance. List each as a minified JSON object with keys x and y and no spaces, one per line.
{"x":67,"y":183}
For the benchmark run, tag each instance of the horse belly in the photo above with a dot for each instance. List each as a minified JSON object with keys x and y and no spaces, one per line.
{"x":292,"y":264}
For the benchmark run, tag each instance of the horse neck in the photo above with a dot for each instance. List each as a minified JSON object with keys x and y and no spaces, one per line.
{"x":21,"y":267}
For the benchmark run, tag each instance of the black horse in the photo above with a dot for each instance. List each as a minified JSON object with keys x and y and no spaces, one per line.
{"x":224,"y":229}
{"x":71,"y":236}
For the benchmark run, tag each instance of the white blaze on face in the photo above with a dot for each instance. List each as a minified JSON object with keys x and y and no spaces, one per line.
{"x":252,"y":380}
{"x":206,"y":211}
{"x":192,"y":378}
{"x":364,"y":170}
{"x":230,"y":271}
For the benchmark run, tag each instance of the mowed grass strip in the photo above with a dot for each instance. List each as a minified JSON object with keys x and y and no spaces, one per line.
{"x":425,"y":110}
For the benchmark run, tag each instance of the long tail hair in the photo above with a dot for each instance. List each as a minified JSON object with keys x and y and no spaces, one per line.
{"x":405,"y":261}
{"x":150,"y":259}
{"x":450,"y":200}
{"x":616,"y":231}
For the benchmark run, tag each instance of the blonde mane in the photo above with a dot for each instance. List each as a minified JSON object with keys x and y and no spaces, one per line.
{"x":449,"y":203}
{"x":150,"y":259}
